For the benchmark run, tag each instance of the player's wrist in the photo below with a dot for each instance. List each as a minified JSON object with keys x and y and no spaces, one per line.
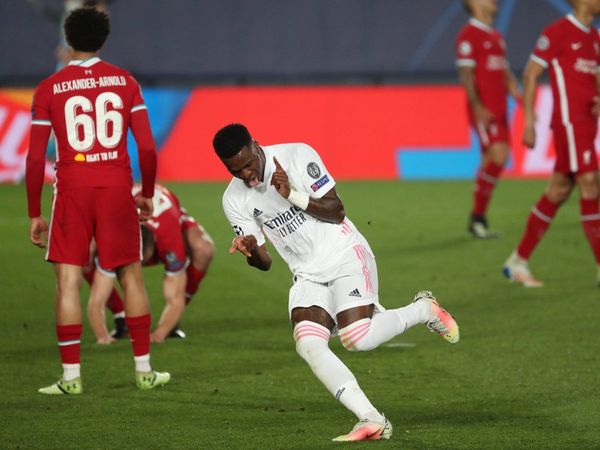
{"x":299,"y":199}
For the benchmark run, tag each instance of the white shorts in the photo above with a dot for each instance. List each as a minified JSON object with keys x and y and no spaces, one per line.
{"x":354,"y":284}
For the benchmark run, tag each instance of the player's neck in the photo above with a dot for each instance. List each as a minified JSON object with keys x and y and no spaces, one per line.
{"x":584,"y":16}
{"x":82,"y":56}
{"x":485,"y":18}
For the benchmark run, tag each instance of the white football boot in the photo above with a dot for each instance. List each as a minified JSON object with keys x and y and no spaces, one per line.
{"x":517,"y":269}
{"x":368,"y":430}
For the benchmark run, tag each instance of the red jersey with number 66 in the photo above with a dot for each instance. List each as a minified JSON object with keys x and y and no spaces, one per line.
{"x":90,"y":105}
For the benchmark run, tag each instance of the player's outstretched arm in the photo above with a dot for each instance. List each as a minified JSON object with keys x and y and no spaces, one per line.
{"x":328,"y":208}
{"x":256,"y":255}
{"x":532,"y":72}
{"x":174,"y":292}
{"x":100,"y":290}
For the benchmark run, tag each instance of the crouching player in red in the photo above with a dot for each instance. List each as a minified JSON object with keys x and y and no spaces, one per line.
{"x":90,"y":104}
{"x":181,"y":244}
{"x":487,"y":79}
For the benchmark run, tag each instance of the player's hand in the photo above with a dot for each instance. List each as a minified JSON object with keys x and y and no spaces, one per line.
{"x":243,"y":244}
{"x":483,"y":115}
{"x":529,"y":136}
{"x":280,"y":180}
{"x":596,"y":106}
{"x":38,"y":231}
{"x":145,"y":207}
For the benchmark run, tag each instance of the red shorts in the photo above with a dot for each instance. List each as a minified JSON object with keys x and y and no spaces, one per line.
{"x":575,"y":149}
{"x":496,"y":131}
{"x":107,"y":214}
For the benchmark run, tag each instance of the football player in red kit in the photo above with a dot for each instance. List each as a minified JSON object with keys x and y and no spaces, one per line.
{"x":570,"y":49}
{"x":90,"y":104}
{"x":487,"y":79}
{"x":172,"y":238}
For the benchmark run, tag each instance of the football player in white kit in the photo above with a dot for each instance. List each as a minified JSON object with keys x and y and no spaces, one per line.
{"x":285,"y":193}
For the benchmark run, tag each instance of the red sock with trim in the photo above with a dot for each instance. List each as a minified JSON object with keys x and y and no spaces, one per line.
{"x":539,"y":220}
{"x":590,"y":219}
{"x":69,"y":342}
{"x":139,"y":332}
{"x":484,"y":187}
{"x":194,"y":277}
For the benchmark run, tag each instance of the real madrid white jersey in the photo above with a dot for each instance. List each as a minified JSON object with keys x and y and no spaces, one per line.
{"x":312,"y":248}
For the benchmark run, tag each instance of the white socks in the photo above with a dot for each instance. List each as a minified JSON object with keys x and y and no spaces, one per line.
{"x":312,"y":345}
{"x":142,"y":363}
{"x":367,"y":334}
{"x":71,"y":371}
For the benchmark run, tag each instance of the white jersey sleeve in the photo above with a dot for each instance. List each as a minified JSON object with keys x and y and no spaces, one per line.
{"x":312,"y":175}
{"x":242,"y":222}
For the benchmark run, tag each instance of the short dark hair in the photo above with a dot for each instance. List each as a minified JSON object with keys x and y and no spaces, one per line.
{"x":230,"y":139}
{"x":86,"y":29}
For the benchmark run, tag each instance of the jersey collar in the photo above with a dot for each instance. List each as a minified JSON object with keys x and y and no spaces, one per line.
{"x":479,"y":24}
{"x":85,"y":62}
{"x":571,"y":18}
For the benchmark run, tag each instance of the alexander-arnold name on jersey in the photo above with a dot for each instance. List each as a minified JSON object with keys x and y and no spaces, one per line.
{"x":287,"y":222}
{"x":88,"y":83}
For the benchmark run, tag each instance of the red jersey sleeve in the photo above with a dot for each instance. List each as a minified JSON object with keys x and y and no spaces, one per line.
{"x":466,"y":50}
{"x":547,"y":47}
{"x":36,"y":155}
{"x":140,"y":127}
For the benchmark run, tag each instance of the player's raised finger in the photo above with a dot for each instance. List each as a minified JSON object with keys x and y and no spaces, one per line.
{"x":277,"y":165}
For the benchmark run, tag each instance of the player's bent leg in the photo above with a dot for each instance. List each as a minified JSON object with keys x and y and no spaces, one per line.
{"x":137,"y":310}
{"x":200,"y":248}
{"x":68,"y":329}
{"x":516,"y":267}
{"x":312,"y":329}
{"x":100,"y":290}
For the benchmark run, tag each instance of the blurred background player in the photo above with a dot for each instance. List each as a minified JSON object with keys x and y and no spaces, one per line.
{"x":487,"y":79}
{"x":170,"y":237}
{"x":90,"y":104}
{"x":284,"y":192}
{"x":570,"y":49}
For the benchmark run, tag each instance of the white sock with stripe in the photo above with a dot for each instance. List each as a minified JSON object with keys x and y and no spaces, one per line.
{"x":367,"y":334}
{"x":312,"y":345}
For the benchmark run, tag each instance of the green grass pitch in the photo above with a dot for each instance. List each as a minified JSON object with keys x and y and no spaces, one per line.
{"x":524,"y":375}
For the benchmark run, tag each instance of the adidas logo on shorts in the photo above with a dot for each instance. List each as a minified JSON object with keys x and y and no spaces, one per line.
{"x":355,"y":293}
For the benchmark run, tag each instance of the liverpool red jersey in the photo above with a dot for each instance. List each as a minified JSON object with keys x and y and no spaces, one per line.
{"x":571,"y":52}
{"x":482,"y":47}
{"x":166,"y":227}
{"x":89,"y":105}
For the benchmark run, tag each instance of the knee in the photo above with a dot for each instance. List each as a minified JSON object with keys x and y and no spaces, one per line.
{"x":558,"y":194}
{"x":588,"y":185}
{"x":355,"y":337}
{"x":311,"y":339}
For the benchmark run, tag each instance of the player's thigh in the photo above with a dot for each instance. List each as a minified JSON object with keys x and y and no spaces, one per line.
{"x":117,"y":231}
{"x":71,"y":227}
{"x":311,"y":301}
{"x":356,"y":285}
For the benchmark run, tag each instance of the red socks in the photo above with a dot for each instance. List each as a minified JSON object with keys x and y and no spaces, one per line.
{"x":194,"y":277}
{"x":69,"y":339}
{"x":484,"y":186}
{"x":539,"y":221}
{"x":139,"y":331}
{"x":590,"y":219}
